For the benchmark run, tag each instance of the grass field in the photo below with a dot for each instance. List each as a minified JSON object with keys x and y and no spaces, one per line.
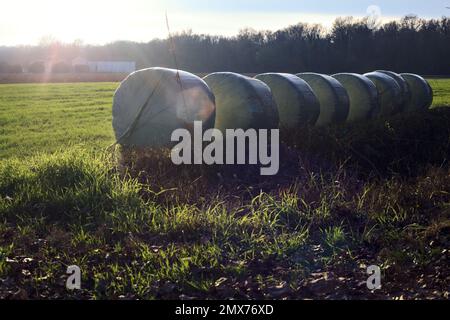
{"x":47,"y":117}
{"x":441,"y":91}
{"x":346,"y":197}
{"x":43,"y":118}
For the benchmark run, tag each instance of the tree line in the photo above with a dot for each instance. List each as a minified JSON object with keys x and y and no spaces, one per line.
{"x":411,"y":44}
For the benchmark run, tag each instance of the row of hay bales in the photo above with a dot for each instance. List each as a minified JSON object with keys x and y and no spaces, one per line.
{"x":151,"y":103}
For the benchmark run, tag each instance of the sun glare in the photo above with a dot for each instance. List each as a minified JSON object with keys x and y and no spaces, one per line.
{"x":103,"y":21}
{"x":92,"y":21}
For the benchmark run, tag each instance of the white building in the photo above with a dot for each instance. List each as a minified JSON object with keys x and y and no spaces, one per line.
{"x":106,"y":66}
{"x":112,"y":66}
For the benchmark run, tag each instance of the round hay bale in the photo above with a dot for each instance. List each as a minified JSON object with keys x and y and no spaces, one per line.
{"x":297,"y":103}
{"x":389,"y":92}
{"x":151,"y":103}
{"x":242,"y":102}
{"x":421,"y":92}
{"x":406,"y":94}
{"x":332,"y":96}
{"x":362,"y":93}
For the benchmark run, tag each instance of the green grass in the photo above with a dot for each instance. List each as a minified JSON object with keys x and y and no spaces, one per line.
{"x":346,"y":196}
{"x":73,"y":208}
{"x":44,"y":118}
{"x":441,"y":90}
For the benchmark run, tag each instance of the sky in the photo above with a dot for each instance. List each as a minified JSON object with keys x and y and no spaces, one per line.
{"x":102,"y":21}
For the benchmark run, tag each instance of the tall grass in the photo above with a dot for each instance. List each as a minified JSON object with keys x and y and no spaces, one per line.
{"x":345,"y":197}
{"x":76,"y":207}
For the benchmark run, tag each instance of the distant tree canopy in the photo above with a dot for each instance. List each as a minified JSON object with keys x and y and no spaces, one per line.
{"x":36,"y":67}
{"x":8,"y":68}
{"x":81,"y":68}
{"x":410,"y":44}
{"x":61,"y":67}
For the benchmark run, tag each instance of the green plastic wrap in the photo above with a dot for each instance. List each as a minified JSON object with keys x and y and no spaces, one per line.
{"x":421,"y":92}
{"x":362,"y":93}
{"x":406,"y":94}
{"x":242,"y":102}
{"x":389,"y":92}
{"x":296,"y":101}
{"x":332,"y":96}
{"x":151,"y":103}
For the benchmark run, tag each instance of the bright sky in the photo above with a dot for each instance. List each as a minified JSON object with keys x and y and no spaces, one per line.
{"x":102,"y":21}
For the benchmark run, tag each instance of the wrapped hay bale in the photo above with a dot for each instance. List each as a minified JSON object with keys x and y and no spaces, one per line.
{"x":406,"y":94}
{"x":389,"y":92}
{"x":242,"y":102}
{"x":362,"y":93}
{"x":333,"y":99}
{"x":297,"y":103}
{"x":151,"y":103}
{"x":421,"y":92}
